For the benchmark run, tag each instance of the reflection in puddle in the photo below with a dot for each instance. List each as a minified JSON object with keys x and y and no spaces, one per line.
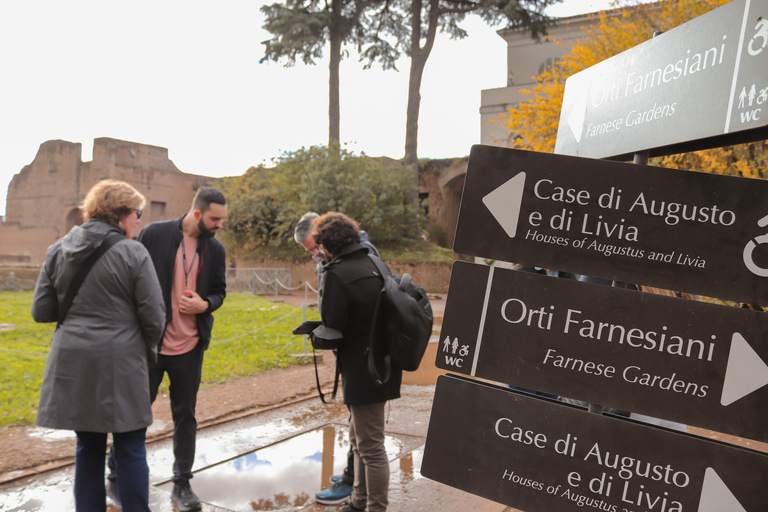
{"x":289,"y":473}
{"x":54,"y":497}
{"x":49,"y":434}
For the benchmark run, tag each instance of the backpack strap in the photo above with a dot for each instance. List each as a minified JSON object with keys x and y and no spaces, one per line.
{"x":381,"y":304}
{"x":110,"y":240}
{"x":380,"y":266}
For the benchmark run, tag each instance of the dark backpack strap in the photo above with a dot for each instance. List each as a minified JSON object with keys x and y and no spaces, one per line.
{"x":381,"y":304}
{"x":110,"y":240}
{"x":335,"y":381}
{"x":380,"y":266}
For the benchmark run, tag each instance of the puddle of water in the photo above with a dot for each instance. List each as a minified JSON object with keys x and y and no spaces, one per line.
{"x":54,"y":497}
{"x":289,"y":473}
{"x":267,"y":461}
{"x":49,"y":434}
{"x":220,"y":444}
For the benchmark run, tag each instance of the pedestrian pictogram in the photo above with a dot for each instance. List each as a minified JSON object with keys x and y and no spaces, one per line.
{"x":683,"y":360}
{"x":454,"y":352}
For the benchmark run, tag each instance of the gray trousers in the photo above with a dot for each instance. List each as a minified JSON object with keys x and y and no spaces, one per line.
{"x":366,"y":433}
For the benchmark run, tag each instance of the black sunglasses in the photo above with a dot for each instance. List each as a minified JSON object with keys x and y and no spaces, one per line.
{"x":138,"y":213}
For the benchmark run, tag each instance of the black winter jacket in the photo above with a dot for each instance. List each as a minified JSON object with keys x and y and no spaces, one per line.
{"x":350,"y":289}
{"x":162,"y":240}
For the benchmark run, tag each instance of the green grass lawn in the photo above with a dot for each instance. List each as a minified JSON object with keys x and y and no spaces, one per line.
{"x":250,"y":334}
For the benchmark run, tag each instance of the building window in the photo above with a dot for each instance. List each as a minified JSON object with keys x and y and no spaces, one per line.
{"x":156,"y":211}
{"x":548,"y":64}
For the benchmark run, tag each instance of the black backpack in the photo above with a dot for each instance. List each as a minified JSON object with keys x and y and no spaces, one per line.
{"x":402,"y":325}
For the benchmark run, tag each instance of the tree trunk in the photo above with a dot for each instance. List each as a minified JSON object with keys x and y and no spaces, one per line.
{"x":419,"y":58}
{"x":335,"y":38}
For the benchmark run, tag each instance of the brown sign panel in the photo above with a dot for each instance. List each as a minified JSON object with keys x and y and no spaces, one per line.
{"x":682,"y":360}
{"x":701,"y":85}
{"x":538,"y":455}
{"x":680,"y":230}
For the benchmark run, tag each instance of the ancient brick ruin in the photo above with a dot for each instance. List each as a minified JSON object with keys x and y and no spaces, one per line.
{"x":43,"y":198}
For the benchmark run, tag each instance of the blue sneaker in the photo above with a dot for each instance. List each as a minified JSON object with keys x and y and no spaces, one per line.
{"x":335,"y":478}
{"x":339,"y":492}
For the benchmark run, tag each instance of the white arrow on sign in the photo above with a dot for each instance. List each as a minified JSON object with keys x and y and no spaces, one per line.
{"x":504,"y":203}
{"x":716,"y":496}
{"x":578,"y":112}
{"x":745,"y":372}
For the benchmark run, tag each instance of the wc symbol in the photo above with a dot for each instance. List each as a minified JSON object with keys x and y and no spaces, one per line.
{"x":762,"y":239}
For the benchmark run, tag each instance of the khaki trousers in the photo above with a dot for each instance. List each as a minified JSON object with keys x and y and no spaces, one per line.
{"x":366,"y":434}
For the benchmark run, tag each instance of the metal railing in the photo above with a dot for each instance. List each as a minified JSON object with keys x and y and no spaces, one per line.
{"x":271,"y":280}
{"x":259,"y":280}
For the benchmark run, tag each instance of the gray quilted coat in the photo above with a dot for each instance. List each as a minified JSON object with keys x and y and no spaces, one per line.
{"x":96,"y":375}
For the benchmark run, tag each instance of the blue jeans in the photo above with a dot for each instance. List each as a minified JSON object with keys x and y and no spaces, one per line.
{"x":130,"y":454}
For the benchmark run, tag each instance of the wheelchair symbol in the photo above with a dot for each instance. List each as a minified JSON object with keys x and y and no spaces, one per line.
{"x":762,"y":239}
{"x":761,"y":33}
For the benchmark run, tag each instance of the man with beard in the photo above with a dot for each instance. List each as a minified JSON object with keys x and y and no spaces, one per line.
{"x":190,"y":265}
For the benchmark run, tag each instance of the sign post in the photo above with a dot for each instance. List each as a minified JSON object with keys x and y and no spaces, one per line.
{"x":541,"y":456}
{"x":703,"y":84}
{"x":680,"y":230}
{"x":700,"y":85}
{"x":691,"y":362}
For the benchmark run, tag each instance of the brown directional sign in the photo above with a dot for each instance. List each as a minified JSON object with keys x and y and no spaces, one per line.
{"x":681,"y":230}
{"x":703,"y":84}
{"x":692,"y":362}
{"x":537,"y":455}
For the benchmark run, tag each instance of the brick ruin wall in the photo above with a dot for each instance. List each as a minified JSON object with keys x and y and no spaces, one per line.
{"x":43,"y":198}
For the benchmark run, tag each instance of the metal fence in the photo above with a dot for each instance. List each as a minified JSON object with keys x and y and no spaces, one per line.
{"x":260,"y":280}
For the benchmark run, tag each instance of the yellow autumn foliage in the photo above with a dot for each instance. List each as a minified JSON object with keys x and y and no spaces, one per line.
{"x":534,"y":123}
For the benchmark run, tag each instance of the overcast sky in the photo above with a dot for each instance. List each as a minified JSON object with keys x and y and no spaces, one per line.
{"x":185,"y":75}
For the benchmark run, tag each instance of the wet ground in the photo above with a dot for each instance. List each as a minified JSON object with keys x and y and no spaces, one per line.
{"x":276,"y":460}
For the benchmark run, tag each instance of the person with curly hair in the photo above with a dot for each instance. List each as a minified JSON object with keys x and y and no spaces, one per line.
{"x":350,"y":290}
{"x":341,"y":485}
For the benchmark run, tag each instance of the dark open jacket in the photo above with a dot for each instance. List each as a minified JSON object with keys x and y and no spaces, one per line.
{"x":162,"y":240}
{"x":352,"y":285}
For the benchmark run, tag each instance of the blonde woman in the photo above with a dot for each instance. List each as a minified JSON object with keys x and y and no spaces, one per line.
{"x":96,"y":377}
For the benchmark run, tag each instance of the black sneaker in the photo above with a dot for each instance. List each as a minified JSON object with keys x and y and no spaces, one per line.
{"x":183,"y":497}
{"x":113,"y":493}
